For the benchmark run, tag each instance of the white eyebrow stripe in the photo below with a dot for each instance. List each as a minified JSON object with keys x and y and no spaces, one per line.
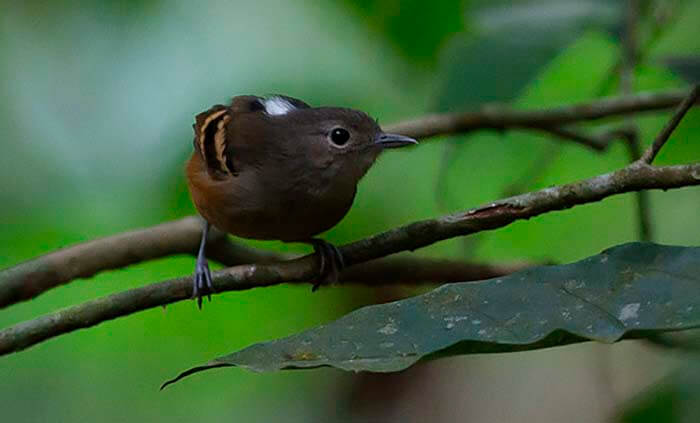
{"x":275,"y":106}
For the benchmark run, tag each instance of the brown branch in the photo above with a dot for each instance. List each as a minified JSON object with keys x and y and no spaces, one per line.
{"x":31,"y":278}
{"x":598,"y":142}
{"x":634,"y":177}
{"x":650,"y":29}
{"x":688,"y":102}
{"x":629,"y":60}
{"x":642,"y":200}
{"x":499,"y":118}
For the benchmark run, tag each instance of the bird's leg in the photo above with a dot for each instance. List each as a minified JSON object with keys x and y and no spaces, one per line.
{"x":202,"y":275}
{"x":331,"y":262}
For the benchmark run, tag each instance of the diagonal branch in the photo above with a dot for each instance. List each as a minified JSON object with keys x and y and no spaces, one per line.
{"x":664,"y":135}
{"x":30,"y":279}
{"x":636,"y":176}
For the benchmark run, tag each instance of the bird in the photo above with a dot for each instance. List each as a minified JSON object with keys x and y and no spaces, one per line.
{"x":274,"y":168}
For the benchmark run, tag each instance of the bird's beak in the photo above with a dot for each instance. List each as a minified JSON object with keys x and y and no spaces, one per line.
{"x":393,"y":140}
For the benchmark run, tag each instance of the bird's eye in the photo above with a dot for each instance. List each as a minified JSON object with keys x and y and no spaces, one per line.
{"x":339,"y":136}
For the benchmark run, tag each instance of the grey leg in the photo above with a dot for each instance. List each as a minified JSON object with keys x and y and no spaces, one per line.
{"x":202,"y":275}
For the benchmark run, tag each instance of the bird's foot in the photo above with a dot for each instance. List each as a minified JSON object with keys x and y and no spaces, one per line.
{"x":331,"y":262}
{"x":202,"y":285}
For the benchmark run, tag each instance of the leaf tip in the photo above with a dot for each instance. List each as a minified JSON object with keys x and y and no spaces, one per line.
{"x":188,"y":372}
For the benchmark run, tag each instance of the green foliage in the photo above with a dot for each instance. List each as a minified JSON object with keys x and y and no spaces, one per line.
{"x":509,"y":46}
{"x":416,"y":30}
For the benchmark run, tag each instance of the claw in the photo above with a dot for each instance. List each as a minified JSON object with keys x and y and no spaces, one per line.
{"x":202,"y":281}
{"x":331,"y":262}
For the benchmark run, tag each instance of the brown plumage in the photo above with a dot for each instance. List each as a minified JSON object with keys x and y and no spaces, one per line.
{"x":278,"y":169}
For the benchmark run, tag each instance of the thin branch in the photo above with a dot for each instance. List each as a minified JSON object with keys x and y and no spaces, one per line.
{"x":31,"y":278}
{"x":634,"y":177}
{"x":597,"y":142}
{"x":629,"y":60}
{"x":648,"y":32}
{"x":671,"y":125}
{"x":499,"y":118}
{"x":642,"y":200}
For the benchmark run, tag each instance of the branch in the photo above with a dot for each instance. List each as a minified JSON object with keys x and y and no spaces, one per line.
{"x":643,"y":201}
{"x":29,"y":279}
{"x":629,"y":60}
{"x":499,"y":118}
{"x":664,"y":135}
{"x":634,"y":177}
{"x":596,"y":142}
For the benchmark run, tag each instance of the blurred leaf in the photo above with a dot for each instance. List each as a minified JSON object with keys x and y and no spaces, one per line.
{"x":675,"y":400}
{"x":632,"y":287}
{"x":510,"y":44}
{"x":688,"y":67}
{"x":553,"y":16}
{"x":487,"y":69}
{"x":682,"y":36}
{"x":417,"y":30}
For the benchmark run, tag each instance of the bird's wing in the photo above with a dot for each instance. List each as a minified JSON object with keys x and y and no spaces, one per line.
{"x":210,"y":140}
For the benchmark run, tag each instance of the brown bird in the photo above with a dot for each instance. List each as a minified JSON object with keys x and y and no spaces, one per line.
{"x":275,"y":168}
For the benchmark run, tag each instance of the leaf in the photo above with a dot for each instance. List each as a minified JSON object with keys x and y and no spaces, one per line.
{"x":688,"y":67}
{"x":399,"y":21}
{"x":632,"y":289}
{"x":510,"y":44}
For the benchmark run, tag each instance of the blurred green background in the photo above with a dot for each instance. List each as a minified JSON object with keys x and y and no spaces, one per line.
{"x":97,"y":104}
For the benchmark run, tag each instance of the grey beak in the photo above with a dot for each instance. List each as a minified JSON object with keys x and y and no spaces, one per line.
{"x":393,"y":140}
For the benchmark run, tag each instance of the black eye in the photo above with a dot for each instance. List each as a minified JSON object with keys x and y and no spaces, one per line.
{"x":340,"y":136}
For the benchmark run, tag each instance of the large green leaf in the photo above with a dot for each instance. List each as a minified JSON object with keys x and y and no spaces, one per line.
{"x":632,"y":290}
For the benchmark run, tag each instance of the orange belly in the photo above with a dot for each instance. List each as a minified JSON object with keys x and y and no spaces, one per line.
{"x":242,"y":206}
